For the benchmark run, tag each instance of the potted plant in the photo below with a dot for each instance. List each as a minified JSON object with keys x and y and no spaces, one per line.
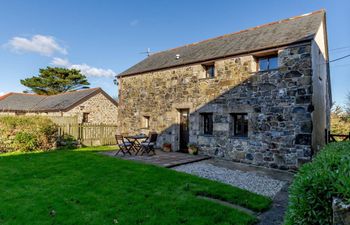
{"x":192,"y":149}
{"x":167,"y":147}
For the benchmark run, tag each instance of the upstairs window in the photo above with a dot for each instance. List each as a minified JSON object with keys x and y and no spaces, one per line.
{"x":268,"y":62}
{"x":240,"y":124}
{"x":85,"y":117}
{"x":209,"y":70}
{"x":207,"y":123}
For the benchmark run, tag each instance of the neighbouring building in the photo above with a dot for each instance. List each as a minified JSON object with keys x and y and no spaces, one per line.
{"x":85,"y":106}
{"x":259,"y":96}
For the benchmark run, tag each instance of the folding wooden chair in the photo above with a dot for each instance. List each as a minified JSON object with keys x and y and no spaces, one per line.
{"x":123,"y":145}
{"x":148,"y":145}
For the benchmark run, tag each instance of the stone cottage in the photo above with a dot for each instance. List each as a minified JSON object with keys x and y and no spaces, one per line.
{"x":259,"y":96}
{"x":84,"y":106}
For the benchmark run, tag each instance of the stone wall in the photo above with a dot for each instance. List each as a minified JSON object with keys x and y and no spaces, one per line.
{"x":100,"y":109}
{"x":341,"y":212}
{"x":278,"y":103}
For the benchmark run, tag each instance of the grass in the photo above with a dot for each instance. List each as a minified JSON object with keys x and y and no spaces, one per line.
{"x":83,"y":187}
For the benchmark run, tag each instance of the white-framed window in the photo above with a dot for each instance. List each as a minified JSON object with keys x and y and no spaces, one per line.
{"x":268,"y":62}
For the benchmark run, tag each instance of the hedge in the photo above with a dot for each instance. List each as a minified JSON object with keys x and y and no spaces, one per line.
{"x":316,"y":183}
{"x":27,"y":133}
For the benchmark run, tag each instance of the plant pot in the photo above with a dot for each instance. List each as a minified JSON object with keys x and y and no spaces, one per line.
{"x":167,"y":147}
{"x":193,"y":150}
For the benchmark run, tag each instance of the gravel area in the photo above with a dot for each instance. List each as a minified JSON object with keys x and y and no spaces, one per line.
{"x":250,"y":181}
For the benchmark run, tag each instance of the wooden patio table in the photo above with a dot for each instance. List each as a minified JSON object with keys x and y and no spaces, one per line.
{"x":135,"y":141}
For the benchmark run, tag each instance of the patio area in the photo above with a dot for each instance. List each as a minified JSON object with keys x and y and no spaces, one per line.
{"x":161,"y":158}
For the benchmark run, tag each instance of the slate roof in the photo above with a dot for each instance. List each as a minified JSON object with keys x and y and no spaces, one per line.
{"x":14,"y":102}
{"x":280,"y":33}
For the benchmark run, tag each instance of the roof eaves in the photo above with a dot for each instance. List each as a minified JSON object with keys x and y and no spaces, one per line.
{"x":5,"y":95}
{"x":35,"y":108}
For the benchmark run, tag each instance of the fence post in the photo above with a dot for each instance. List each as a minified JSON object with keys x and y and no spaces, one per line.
{"x":81,"y":133}
{"x":59,"y":132}
{"x":101,"y":135}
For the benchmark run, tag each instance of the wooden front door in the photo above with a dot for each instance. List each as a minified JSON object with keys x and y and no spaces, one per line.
{"x":184,"y":129}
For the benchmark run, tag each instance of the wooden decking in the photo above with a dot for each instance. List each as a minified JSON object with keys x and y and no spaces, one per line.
{"x":164,"y":159}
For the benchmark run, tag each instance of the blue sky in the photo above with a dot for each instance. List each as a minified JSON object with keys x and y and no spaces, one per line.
{"x":107,"y":37}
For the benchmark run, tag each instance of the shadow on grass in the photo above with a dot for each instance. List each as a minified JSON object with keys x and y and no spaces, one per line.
{"x":82,"y":187}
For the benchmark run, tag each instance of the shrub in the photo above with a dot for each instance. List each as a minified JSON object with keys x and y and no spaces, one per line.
{"x":68,"y":141}
{"x":315,"y":185}
{"x":25,"y":140}
{"x":27,"y":133}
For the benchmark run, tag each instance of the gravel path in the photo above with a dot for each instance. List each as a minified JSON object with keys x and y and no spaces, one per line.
{"x":246,"y":180}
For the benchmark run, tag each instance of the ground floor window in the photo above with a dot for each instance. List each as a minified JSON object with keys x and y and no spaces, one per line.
{"x":145,"y":122}
{"x":85,"y":117}
{"x":240,"y":124}
{"x":207,"y":123}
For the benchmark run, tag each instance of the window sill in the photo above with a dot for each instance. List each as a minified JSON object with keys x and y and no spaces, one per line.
{"x":270,"y":70}
{"x":207,"y":135}
{"x":207,"y":78}
{"x":239,"y":137}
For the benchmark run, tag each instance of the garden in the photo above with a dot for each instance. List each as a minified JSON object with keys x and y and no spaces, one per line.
{"x":45,"y":183}
{"x":81,"y":186}
{"x":84,"y":187}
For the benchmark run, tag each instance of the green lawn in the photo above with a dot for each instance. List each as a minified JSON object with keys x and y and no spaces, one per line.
{"x":83,"y":187}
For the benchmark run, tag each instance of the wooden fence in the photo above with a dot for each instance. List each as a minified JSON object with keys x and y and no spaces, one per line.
{"x":336,"y":137}
{"x":90,"y":134}
{"x":64,"y":120}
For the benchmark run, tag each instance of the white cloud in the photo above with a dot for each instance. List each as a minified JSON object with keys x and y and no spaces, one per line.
{"x":48,"y":46}
{"x":44,"y":45}
{"x":134,"y":23}
{"x":2,"y":93}
{"x":93,"y":71}
{"x":60,"y":62}
{"x":84,"y":68}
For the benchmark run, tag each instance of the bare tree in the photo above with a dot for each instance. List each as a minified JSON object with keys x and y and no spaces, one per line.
{"x":347,"y":104}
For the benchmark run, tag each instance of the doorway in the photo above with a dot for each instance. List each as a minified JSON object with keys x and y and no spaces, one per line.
{"x":184,"y":129}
